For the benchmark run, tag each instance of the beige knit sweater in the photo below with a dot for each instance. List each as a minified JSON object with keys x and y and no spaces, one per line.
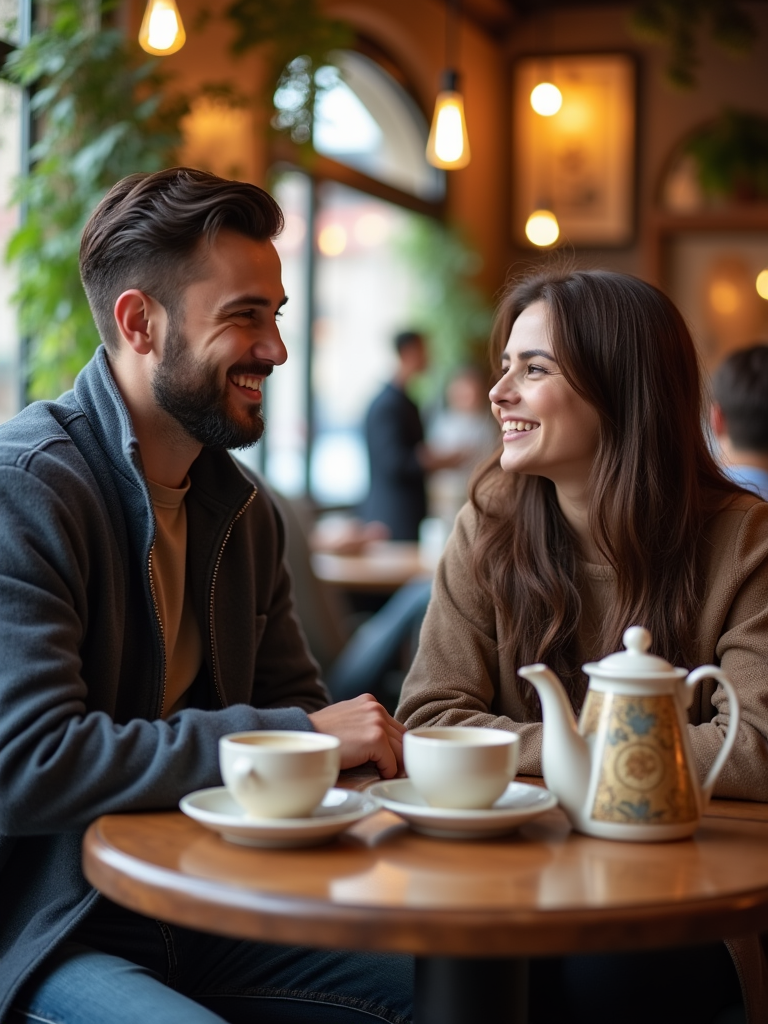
{"x":459,"y":677}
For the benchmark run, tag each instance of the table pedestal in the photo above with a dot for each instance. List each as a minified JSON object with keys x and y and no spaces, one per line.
{"x":451,"y":990}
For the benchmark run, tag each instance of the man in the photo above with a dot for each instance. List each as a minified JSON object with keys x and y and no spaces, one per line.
{"x":146,"y":612}
{"x":398,"y":457}
{"x":739,"y":417}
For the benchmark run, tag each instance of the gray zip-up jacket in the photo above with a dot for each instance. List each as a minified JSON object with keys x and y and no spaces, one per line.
{"x":82,"y":663}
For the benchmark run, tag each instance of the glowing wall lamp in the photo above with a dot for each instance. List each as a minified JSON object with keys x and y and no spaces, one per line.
{"x":162,"y":31}
{"x":448,"y":144}
{"x":761,"y":284}
{"x":546,"y":99}
{"x":542,"y":228}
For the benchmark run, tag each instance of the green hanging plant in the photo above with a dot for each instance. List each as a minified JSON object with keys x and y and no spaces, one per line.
{"x":451,"y":310}
{"x":103,"y":111}
{"x":678,"y":23}
{"x":731,"y":156}
{"x":297,"y":42}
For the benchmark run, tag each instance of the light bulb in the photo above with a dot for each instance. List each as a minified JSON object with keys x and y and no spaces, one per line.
{"x":542,"y":228}
{"x":762,"y":284}
{"x":448,"y":145}
{"x":546,"y":99}
{"x":162,"y":32}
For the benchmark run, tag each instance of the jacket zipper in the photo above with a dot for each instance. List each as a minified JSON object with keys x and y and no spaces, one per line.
{"x":160,"y":628}
{"x":214,"y":665}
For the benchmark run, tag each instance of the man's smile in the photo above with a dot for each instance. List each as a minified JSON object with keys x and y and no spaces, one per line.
{"x":247,"y":382}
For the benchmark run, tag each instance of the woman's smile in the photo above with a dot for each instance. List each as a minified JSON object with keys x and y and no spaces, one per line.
{"x":511,"y":429}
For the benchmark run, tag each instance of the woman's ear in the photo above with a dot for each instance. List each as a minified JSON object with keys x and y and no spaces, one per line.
{"x":140,"y":319}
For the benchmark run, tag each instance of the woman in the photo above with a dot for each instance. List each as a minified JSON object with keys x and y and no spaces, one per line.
{"x":606,"y":509}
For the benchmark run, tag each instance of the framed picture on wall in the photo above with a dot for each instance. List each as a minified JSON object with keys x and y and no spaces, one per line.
{"x":574,"y":146}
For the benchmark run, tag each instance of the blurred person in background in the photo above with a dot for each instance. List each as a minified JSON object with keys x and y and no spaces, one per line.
{"x":465,"y":422}
{"x":739,"y":417}
{"x":398,"y":457}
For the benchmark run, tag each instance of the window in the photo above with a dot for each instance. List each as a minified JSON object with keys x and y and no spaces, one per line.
{"x":349,"y":287}
{"x":369,"y":122}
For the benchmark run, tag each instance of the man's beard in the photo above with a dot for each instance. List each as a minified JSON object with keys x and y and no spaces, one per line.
{"x":191,"y":393}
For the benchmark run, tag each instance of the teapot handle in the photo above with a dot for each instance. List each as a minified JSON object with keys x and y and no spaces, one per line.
{"x":711,"y":672}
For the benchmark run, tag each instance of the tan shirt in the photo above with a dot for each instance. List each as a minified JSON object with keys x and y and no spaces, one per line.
{"x":459,"y":676}
{"x":181,"y":634}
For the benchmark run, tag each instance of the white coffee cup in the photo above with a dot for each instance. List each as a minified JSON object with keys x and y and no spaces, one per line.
{"x":460,"y":767}
{"x":279,"y":773}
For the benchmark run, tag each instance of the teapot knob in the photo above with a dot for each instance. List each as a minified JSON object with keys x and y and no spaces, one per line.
{"x":636,"y":639}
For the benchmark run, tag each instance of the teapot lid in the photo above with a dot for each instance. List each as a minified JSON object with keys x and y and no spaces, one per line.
{"x":634,"y":661}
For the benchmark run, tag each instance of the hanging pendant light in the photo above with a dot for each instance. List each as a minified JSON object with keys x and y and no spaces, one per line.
{"x":162,"y":31}
{"x":448,"y":144}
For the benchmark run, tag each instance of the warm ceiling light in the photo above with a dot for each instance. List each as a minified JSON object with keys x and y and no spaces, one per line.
{"x":546,"y":99}
{"x":448,"y":145}
{"x":542,"y":228}
{"x":762,"y":284}
{"x":332,"y":240}
{"x":162,"y":31}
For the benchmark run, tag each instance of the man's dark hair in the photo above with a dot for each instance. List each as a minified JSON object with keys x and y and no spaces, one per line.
{"x":407,"y":338}
{"x":740,"y":388}
{"x":146,"y":231}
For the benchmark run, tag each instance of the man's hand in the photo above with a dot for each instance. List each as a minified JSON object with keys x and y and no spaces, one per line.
{"x":367,"y":733}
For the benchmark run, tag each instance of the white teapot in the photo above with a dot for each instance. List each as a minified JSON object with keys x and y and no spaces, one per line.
{"x":627,"y":770}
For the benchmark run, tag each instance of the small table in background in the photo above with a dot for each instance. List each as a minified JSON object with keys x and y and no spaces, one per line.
{"x":383,"y":567}
{"x":471,"y":912}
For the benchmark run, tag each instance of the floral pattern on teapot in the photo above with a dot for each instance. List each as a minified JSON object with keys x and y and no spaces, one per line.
{"x":642,"y":778}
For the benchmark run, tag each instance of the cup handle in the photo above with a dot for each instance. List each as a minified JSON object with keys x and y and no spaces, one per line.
{"x":711,"y":672}
{"x":242,"y":777}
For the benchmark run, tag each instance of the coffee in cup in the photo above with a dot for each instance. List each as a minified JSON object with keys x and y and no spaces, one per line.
{"x":460,"y":767}
{"x":279,"y":773}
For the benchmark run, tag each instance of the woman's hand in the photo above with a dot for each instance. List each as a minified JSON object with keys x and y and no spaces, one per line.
{"x":367,"y":733}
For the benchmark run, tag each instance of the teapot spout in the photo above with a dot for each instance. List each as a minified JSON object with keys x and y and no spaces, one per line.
{"x":565,"y":756}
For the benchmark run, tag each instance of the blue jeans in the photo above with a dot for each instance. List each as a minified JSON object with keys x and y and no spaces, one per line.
{"x":121,"y":968}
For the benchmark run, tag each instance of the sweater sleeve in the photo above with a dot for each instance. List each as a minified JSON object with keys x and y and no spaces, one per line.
{"x":739,"y":592}
{"x":456,"y":676}
{"x":67,"y":753}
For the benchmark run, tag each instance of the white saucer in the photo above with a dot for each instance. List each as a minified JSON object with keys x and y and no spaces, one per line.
{"x":517,"y":804}
{"x":217,"y":810}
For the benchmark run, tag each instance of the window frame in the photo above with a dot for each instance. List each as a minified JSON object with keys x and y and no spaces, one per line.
{"x":285,"y":156}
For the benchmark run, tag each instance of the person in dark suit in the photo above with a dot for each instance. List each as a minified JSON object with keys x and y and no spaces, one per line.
{"x":399,"y":458}
{"x":395,"y":438}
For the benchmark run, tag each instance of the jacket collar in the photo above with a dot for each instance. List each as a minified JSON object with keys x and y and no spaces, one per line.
{"x":216,"y":479}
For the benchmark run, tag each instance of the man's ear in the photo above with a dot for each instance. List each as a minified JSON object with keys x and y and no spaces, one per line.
{"x":717,"y":421}
{"x":141,"y":320}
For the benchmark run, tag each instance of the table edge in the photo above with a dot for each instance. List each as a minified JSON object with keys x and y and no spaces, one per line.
{"x":161,"y":892}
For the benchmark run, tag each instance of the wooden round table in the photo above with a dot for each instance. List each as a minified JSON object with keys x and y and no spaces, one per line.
{"x":383,"y":567}
{"x":471,"y":912}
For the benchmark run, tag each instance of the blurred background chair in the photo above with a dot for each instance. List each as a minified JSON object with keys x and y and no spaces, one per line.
{"x":369,"y":656}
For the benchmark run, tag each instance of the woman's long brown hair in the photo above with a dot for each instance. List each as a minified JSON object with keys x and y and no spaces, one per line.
{"x":625,"y":348}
